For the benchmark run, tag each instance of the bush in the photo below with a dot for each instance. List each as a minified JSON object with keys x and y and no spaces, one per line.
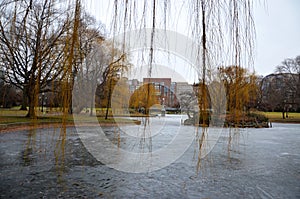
{"x":258,"y":116}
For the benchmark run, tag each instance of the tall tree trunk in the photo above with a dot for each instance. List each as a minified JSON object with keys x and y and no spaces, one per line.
{"x":24,"y":99}
{"x":67,"y":98}
{"x":92,"y":102}
{"x":92,"y":105}
{"x":108,"y":99}
{"x":32,"y":96}
{"x":32,"y":103}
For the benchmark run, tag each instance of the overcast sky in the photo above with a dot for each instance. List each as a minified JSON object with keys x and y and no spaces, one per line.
{"x":278,"y":34}
{"x":277,"y":31}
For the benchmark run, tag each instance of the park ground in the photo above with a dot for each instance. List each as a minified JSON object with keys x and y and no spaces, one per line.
{"x":14,"y":118}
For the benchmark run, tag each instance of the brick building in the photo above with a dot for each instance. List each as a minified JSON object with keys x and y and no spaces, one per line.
{"x":165,"y":90}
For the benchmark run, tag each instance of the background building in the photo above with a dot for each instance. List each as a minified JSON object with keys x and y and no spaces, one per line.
{"x":163,"y":91}
{"x":167,"y":92}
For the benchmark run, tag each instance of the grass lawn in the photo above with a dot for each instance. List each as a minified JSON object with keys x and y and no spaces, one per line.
{"x":15,"y":117}
{"x":277,"y":117}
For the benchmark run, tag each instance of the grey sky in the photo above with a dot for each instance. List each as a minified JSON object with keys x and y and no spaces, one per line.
{"x":277,"y":30}
{"x":278,"y":34}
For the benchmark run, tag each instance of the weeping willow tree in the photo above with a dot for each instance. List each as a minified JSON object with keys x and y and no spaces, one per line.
{"x":240,"y":86}
{"x":222,"y":30}
{"x":43,"y":49}
{"x":47,"y":49}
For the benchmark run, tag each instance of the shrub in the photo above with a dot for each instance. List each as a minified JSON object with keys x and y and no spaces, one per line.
{"x":258,"y":116}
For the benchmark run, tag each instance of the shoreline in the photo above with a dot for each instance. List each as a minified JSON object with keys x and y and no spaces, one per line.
{"x":285,"y":121}
{"x":12,"y":127}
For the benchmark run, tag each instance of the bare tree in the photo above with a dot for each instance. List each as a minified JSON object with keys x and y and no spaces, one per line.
{"x":86,"y":35}
{"x":188,"y":102}
{"x":290,"y":68}
{"x":8,"y":96}
{"x":118,"y":64}
{"x":290,"y":71}
{"x":89,"y":74}
{"x":33,"y":45}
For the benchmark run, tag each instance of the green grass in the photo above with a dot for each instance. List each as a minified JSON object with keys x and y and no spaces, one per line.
{"x":9,"y":119}
{"x":12,"y":112}
{"x":17,"y":117}
{"x":277,"y":117}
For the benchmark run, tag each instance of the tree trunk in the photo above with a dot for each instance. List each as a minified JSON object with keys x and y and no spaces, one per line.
{"x":70,"y":93}
{"x":93,"y":91}
{"x":108,"y":103}
{"x":31,"y":110}
{"x":188,"y":114}
{"x":32,"y":99}
{"x":92,"y":105}
{"x":24,"y":99}
{"x":108,"y":99}
{"x":23,"y":105}
{"x":70,"y":110}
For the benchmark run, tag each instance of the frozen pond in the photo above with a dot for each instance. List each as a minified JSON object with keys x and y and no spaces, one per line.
{"x":259,"y":163}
